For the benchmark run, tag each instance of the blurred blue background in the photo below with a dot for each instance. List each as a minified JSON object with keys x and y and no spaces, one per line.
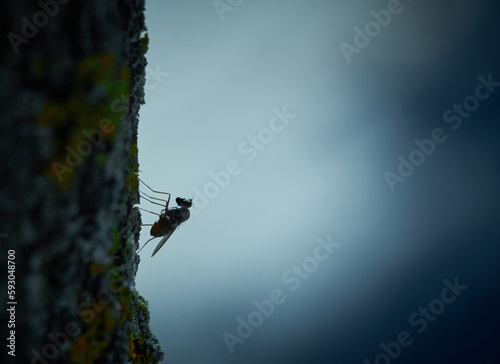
{"x":217,"y":77}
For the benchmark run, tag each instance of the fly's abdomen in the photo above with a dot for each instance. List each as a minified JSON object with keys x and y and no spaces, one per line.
{"x":161,"y":227}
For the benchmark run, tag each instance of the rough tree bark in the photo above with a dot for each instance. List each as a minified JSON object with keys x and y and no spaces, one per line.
{"x":72,"y":77}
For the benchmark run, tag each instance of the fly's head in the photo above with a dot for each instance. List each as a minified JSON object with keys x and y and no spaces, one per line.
{"x":184,"y":202}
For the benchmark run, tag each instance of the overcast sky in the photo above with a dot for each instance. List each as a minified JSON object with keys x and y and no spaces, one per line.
{"x":331,"y":183}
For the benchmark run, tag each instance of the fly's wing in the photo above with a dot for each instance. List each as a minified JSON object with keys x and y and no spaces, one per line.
{"x":163,"y":241}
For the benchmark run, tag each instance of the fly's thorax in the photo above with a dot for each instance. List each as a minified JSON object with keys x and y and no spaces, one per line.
{"x":179,"y":214}
{"x":186,"y":213}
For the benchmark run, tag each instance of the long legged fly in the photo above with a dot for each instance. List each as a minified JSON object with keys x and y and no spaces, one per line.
{"x":169,"y":219}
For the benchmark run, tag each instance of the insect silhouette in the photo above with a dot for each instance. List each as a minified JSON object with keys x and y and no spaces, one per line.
{"x":169,"y":219}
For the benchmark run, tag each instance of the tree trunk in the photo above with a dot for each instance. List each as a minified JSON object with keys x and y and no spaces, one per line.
{"x":72,"y":76}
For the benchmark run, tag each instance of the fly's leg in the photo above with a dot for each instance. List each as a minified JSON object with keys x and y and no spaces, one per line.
{"x":156,"y":203}
{"x":154,"y":213}
{"x":164,"y":193}
{"x":154,"y":237}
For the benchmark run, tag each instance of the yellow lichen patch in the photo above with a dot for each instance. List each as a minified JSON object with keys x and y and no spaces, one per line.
{"x":132,"y":182}
{"x":134,"y":151}
{"x":85,"y":351}
{"x":97,"y":269}
{"x":145,"y":43}
{"x":52,"y":115}
{"x":59,"y":173}
{"x":109,"y":322}
{"x":101,"y":159}
{"x":125,"y":76}
{"x":98,"y":67}
{"x":143,"y":306}
{"x":88,"y":115}
{"x":131,"y":349}
{"x":91,"y":344}
{"x":127,"y":305}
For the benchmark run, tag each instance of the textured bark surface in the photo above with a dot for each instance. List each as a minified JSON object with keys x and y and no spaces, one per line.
{"x":72,"y":77}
